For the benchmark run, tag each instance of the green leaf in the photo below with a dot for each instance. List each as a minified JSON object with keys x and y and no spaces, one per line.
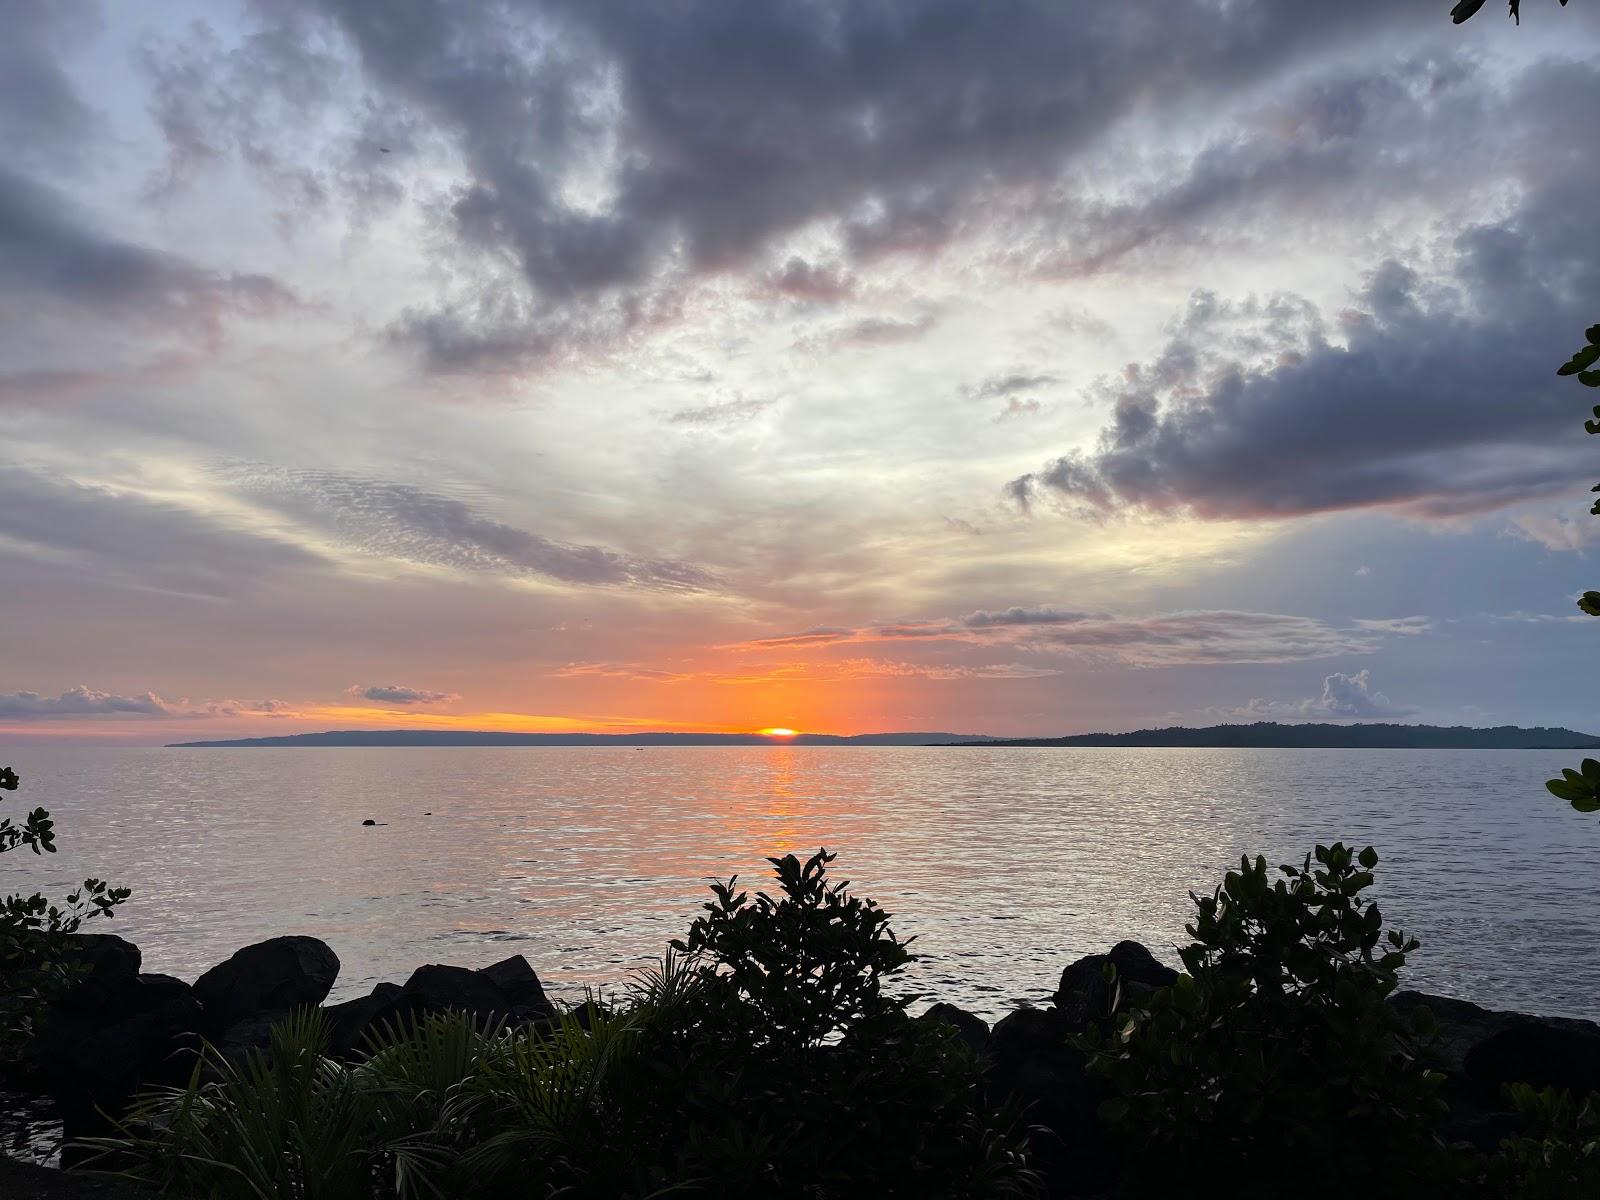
{"x":1582,"y":359}
{"x":1115,"y":1109}
{"x":1563,"y":790}
{"x":1589,"y":378}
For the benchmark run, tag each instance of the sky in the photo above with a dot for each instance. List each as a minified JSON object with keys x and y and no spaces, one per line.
{"x":839,"y":365}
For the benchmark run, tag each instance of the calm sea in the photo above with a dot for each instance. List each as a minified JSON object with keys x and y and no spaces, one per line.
{"x":1005,"y":864}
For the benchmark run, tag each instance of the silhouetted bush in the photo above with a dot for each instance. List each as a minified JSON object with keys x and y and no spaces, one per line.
{"x":763,"y":1057}
{"x":1278,"y":1050}
{"x":36,"y":964}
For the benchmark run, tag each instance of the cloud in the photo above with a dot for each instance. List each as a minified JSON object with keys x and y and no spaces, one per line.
{"x":394,"y":693}
{"x":821,"y":635}
{"x":817,"y":283}
{"x":50,"y":255}
{"x":983,"y":619}
{"x":80,"y":701}
{"x":1402,"y":626}
{"x":601,"y":670}
{"x":83,"y":701}
{"x":999,"y":387}
{"x":722,"y":413}
{"x":1434,"y":395}
{"x":398,"y":521}
{"x":608,"y":156}
{"x":43,"y":120}
{"x":1168,"y":639}
{"x":1344,"y":698}
{"x":120,"y":537}
{"x":877,"y":331}
{"x":1013,"y":390}
{"x":1554,"y":532}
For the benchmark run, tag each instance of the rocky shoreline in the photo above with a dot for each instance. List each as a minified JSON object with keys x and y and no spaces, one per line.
{"x":121,"y":1030}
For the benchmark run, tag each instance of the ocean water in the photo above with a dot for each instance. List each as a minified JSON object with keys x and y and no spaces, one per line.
{"x":1006,"y":864}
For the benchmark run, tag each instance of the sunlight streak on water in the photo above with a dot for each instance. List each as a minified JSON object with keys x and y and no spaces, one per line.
{"x":1006,"y":864}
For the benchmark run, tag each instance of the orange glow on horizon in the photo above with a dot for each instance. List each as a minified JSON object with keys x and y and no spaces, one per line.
{"x":777,"y":731}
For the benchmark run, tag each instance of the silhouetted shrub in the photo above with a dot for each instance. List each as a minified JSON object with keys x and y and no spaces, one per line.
{"x":763,"y":1056}
{"x":1277,"y":1052}
{"x":36,"y":963}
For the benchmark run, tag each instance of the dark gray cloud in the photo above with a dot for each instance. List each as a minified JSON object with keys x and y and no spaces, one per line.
{"x":395,"y":693}
{"x":80,"y":702}
{"x":50,"y":255}
{"x":984,"y":619}
{"x":1437,"y":395}
{"x":396,"y":520}
{"x":43,"y":120}
{"x":613,"y":150}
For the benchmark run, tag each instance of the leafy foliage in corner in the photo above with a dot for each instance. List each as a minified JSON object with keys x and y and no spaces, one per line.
{"x":35,"y":964}
{"x":1576,"y":787}
{"x":1581,"y":788}
{"x":1468,"y":8}
{"x":1557,"y":1155}
{"x":1278,"y":1048}
{"x":762,"y":1057}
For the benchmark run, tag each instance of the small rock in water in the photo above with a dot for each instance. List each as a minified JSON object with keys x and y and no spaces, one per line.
{"x":369,"y":821}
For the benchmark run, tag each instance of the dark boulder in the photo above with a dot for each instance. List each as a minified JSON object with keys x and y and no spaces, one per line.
{"x":970,"y":1028}
{"x":350,"y":1023}
{"x":1033,"y":1061}
{"x":110,"y":967}
{"x":1083,"y":994}
{"x":437,"y":988}
{"x":519,"y":984}
{"x":1483,"y":1049}
{"x":274,"y":976}
{"x":92,"y":1058}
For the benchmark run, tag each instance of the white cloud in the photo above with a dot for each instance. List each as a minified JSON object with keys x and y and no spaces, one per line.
{"x":1344,"y":698}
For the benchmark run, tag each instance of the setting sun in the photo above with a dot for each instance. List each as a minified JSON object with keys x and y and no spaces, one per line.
{"x":777,"y":732}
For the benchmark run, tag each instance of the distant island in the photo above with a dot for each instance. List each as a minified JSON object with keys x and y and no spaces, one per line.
{"x":1375,"y":736}
{"x":1261,"y":734}
{"x":453,"y":737}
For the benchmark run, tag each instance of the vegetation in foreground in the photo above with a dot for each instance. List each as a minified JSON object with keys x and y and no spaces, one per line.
{"x":765,"y":1054}
{"x":35,"y":932}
